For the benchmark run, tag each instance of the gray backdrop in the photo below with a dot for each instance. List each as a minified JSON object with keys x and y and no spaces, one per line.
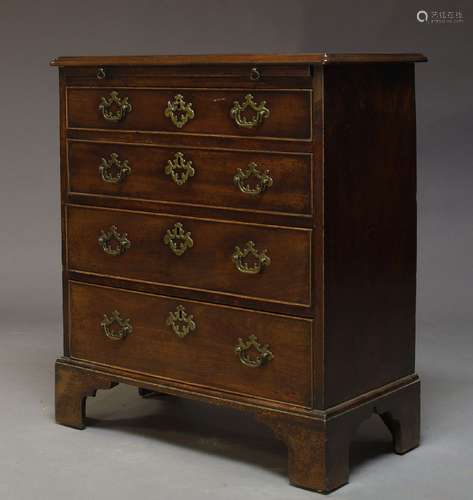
{"x":32,"y":33}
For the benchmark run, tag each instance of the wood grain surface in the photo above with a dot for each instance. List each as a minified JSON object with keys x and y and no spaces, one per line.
{"x":211,"y":185}
{"x":206,"y":356}
{"x":289,"y":111}
{"x":207,"y":265}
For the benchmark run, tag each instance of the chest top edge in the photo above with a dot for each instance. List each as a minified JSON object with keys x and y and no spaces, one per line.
{"x":176,"y":60}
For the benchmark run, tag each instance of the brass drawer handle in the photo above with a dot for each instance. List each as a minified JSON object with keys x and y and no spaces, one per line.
{"x":256,"y":262}
{"x":114,"y":108}
{"x":238,"y":112}
{"x":181,"y":322}
{"x":114,"y":243}
{"x":179,"y":169}
{"x":178,"y":240}
{"x":244,"y":348}
{"x":114,"y":170}
{"x":263,"y":180}
{"x":109,"y":326}
{"x":179,"y":111}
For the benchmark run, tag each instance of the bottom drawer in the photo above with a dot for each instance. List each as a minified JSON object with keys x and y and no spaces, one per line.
{"x":226,"y":348}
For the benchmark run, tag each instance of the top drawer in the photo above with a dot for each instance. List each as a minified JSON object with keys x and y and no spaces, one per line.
{"x":260,"y":76}
{"x":277,"y":114}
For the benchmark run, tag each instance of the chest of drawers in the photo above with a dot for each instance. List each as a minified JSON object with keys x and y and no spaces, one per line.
{"x":241,"y":230}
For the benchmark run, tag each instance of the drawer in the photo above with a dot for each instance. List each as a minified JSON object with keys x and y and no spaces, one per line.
{"x":269,"y":182}
{"x":276,"y":76}
{"x":281,"y":114}
{"x":261,"y":262}
{"x":226,"y":348}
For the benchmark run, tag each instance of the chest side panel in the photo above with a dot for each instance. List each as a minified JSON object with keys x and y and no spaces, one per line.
{"x":370,"y":227}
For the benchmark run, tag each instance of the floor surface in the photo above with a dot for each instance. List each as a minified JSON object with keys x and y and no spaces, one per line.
{"x":176,"y":449}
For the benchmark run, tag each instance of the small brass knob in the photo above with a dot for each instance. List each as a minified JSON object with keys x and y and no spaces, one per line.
{"x":101,"y":74}
{"x":255,"y":74}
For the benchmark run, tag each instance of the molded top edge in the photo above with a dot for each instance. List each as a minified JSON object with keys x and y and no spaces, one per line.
{"x":173,"y":60}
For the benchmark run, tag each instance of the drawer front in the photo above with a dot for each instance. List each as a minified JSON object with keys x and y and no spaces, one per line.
{"x":273,"y":114}
{"x":229,"y":179}
{"x":274,"y":76}
{"x":226,"y":348}
{"x":249,"y":260}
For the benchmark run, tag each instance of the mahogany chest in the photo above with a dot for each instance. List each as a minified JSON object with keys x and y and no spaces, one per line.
{"x":241,"y":230}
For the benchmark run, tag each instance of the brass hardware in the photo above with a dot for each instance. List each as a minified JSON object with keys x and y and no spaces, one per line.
{"x":238,"y":110}
{"x":179,"y":169}
{"x":124,"y":326}
{"x":179,"y":111}
{"x":178,"y":240}
{"x":114,"y":243}
{"x":244,"y":348}
{"x":100,"y":74}
{"x":114,"y":108}
{"x":255,"y":75}
{"x":259,"y":259}
{"x":114,"y":170}
{"x":181,"y":322}
{"x":265,"y":180}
